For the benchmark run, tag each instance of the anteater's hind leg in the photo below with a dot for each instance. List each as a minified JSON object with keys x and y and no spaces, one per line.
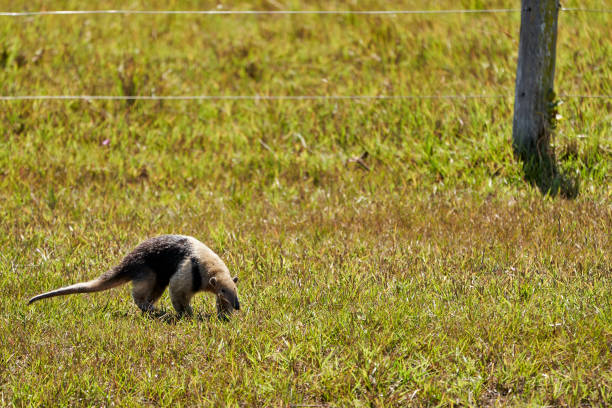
{"x":146,"y":291}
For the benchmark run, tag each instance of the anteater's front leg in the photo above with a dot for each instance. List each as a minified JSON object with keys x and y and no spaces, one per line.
{"x":181,"y":289}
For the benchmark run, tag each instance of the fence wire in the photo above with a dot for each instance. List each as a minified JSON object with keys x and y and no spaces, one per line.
{"x":273,"y":97}
{"x":245,"y":97}
{"x":279,"y":12}
{"x":253,"y":12}
{"x":587,"y":10}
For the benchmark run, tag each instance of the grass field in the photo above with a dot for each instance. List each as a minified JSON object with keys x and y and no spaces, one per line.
{"x":435,"y":277}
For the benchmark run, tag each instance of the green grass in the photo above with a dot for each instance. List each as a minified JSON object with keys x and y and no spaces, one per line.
{"x":438,"y":278}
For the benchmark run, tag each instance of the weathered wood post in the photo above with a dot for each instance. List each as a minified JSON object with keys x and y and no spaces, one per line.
{"x":534,"y":109}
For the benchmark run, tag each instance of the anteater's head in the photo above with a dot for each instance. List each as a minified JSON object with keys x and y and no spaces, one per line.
{"x":227,"y":294}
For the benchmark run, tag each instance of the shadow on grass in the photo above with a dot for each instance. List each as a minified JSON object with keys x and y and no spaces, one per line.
{"x":168,"y":317}
{"x":542,"y":171}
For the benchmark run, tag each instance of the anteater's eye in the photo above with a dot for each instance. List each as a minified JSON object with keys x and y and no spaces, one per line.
{"x":222,"y":290}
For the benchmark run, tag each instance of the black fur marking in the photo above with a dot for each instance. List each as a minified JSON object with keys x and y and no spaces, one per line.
{"x":196,"y":277}
{"x":162,"y":255}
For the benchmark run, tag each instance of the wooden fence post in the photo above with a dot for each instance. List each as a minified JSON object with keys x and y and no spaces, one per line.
{"x":534,"y":105}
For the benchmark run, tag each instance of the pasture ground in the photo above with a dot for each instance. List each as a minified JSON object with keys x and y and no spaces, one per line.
{"x":438,"y":277}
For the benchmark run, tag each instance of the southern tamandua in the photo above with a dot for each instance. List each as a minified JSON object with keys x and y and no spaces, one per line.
{"x":181,"y":262}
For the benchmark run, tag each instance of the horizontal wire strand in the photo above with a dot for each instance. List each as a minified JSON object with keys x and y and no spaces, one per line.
{"x":279,"y":12}
{"x":252,"y":12}
{"x":586,"y":10}
{"x":272,"y":97}
{"x":578,"y":96}
{"x":245,"y":97}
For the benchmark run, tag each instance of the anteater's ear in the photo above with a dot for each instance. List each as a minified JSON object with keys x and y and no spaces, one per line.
{"x":213,"y":281}
{"x":235,"y":279}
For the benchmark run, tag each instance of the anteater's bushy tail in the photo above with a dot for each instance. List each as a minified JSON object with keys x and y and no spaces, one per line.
{"x":104,"y":282}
